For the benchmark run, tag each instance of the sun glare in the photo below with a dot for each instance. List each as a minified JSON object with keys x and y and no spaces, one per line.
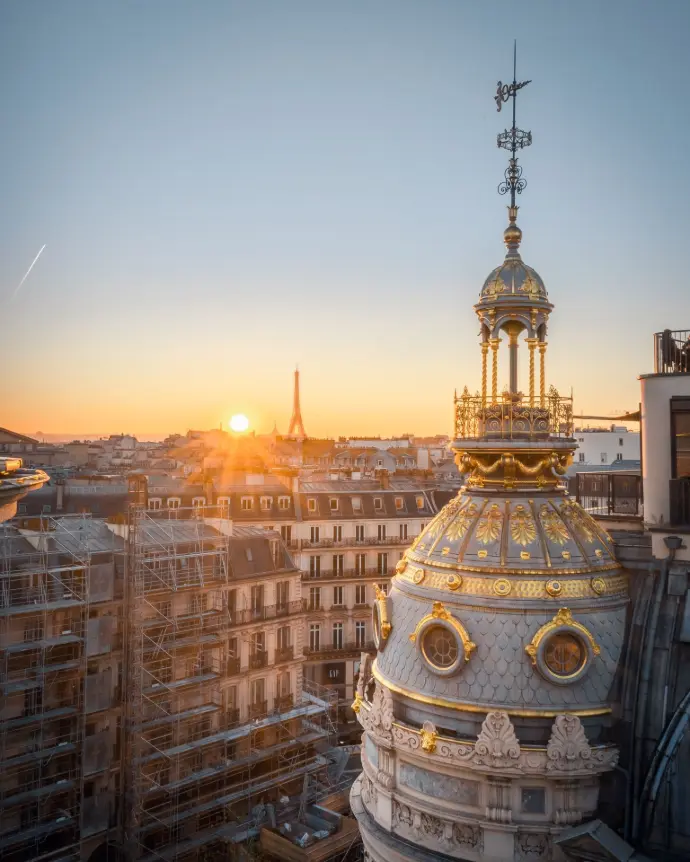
{"x":239,"y":422}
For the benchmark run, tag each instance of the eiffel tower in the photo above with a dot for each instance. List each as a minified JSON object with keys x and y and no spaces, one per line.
{"x":296,"y":428}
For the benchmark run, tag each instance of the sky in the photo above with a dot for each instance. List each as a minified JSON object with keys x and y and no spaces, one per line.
{"x":228,"y":189}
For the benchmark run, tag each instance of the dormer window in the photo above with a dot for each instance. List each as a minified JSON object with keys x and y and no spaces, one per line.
{"x":378,"y":504}
{"x":357,"y":505}
{"x":199,"y":502}
{"x":311,"y":504}
{"x":399,"y":504}
{"x":420,"y":502}
{"x":283,"y":503}
{"x":379,"y":462}
{"x":247,"y":504}
{"x":333,"y":502}
{"x":266,"y":503}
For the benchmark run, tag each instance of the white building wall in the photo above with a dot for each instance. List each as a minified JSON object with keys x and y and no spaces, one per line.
{"x":657,"y":392}
{"x":601,"y":448}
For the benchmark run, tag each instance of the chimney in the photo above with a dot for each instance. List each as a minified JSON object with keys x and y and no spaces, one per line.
{"x":209,"y":490}
{"x":385,"y":480}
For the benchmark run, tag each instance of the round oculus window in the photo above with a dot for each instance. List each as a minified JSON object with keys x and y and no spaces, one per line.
{"x":564,"y":654}
{"x":440,"y":647}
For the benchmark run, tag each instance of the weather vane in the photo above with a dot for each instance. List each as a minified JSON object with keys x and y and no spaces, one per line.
{"x":512,"y":139}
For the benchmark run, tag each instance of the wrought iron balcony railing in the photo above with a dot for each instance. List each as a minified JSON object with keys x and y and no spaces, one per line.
{"x":233,"y":667}
{"x":370,"y":572}
{"x":284,"y":702}
{"x":608,"y":493}
{"x":513,"y":417}
{"x":284,"y":654}
{"x":258,"y":709}
{"x":672,"y":351}
{"x":344,"y":647}
{"x":257,"y":660}
{"x":265,"y":612}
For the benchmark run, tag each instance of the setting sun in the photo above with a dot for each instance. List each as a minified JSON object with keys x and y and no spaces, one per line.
{"x":239,"y":422}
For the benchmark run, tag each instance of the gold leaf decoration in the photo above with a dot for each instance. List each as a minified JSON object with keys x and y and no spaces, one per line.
{"x":489,"y":526}
{"x":522,"y":526}
{"x":579,"y":520}
{"x":556,"y":531}
{"x":441,"y":521}
{"x":461,"y":524}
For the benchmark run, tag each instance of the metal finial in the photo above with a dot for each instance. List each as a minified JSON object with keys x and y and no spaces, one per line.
{"x":512,"y":139}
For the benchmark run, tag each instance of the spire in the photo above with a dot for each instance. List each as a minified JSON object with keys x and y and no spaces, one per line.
{"x":296,"y":428}
{"x":512,"y":139}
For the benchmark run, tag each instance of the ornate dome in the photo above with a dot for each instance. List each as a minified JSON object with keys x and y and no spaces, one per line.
{"x":505,"y":602}
{"x":513,"y":279}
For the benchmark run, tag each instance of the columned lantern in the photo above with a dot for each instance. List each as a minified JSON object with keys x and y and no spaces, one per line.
{"x":486,"y":709}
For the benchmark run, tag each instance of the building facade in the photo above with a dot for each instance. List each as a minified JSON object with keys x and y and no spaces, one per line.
{"x":152,"y":687}
{"x":602,"y":447}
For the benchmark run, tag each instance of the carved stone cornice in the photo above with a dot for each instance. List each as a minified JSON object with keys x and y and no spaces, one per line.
{"x":569,"y":751}
{"x":427,"y":828}
{"x":504,"y":759}
{"x":376,"y":717}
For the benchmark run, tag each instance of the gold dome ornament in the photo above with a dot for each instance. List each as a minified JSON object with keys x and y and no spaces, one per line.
{"x":502,"y":587}
{"x":598,"y":585}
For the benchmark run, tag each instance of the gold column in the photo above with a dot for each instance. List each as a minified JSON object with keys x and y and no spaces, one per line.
{"x":542,"y":374}
{"x":485,"y":352}
{"x":494,"y":370}
{"x":532,"y":344}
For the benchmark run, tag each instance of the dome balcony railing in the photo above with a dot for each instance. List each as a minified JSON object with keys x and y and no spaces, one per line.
{"x":513,"y":418}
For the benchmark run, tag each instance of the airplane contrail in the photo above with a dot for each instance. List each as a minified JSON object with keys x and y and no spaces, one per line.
{"x":26,"y":274}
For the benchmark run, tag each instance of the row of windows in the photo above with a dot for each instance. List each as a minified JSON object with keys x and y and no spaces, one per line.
{"x":266,"y":503}
{"x":316,"y":593}
{"x":337,"y":635}
{"x":337,"y":532}
{"x":257,"y":690}
{"x":582,"y":440}
{"x":604,"y":457}
{"x":338,"y":564}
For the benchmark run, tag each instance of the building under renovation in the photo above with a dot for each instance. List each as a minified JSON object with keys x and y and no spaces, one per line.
{"x":153,"y":702}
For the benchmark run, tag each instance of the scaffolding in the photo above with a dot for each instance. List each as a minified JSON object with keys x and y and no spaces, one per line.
{"x":44,"y":612}
{"x":201,"y":767}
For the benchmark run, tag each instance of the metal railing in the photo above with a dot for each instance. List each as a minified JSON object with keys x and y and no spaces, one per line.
{"x":258,"y":709}
{"x":265,"y":612}
{"x":679,"y":494}
{"x":284,"y":702}
{"x":608,"y":493}
{"x":233,"y":667}
{"x":339,"y":649}
{"x":476,"y":417}
{"x":258,"y":660}
{"x":387,"y":541}
{"x":371,"y":572}
{"x":672,"y":351}
{"x":284,"y":654}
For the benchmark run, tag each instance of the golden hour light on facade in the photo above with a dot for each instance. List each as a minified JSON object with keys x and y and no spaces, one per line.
{"x":239,"y":423}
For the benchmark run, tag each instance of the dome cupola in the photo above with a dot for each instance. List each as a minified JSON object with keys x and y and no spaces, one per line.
{"x":485,"y":709}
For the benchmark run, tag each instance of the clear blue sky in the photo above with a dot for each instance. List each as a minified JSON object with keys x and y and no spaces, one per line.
{"x":227,"y":188}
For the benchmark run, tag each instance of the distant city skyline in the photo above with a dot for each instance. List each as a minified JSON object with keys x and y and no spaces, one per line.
{"x":211,"y":193}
